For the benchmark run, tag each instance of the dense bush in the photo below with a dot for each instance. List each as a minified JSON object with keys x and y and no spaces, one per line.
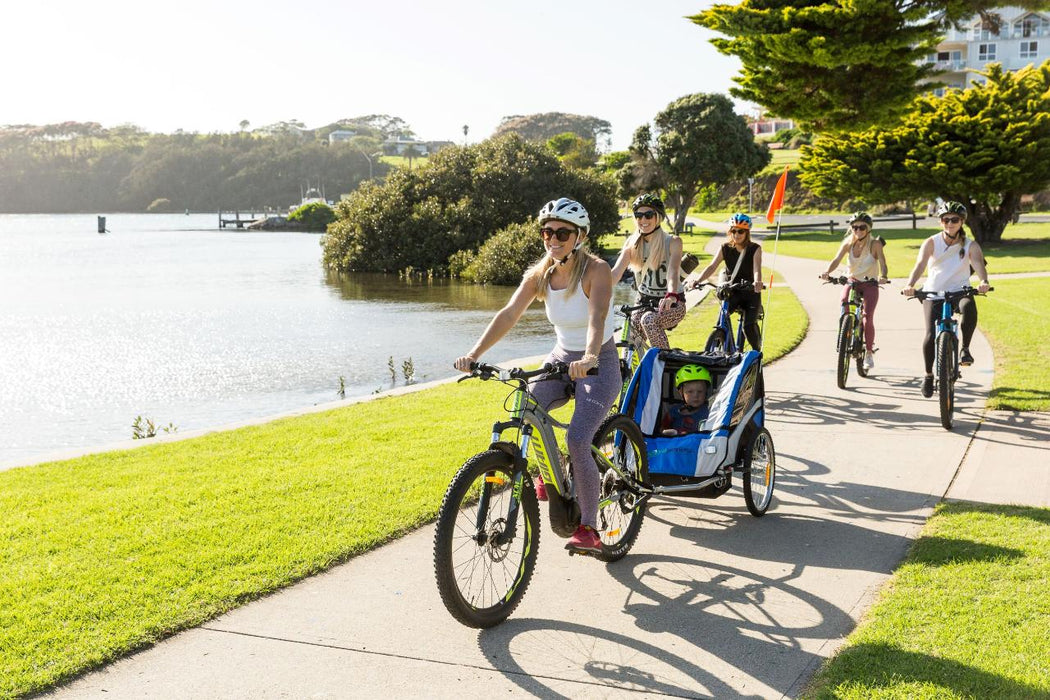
{"x":421,"y":218}
{"x":505,"y":257}
{"x":314,"y":216}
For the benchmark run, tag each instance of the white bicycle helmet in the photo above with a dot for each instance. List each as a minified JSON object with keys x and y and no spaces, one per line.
{"x":568,"y":210}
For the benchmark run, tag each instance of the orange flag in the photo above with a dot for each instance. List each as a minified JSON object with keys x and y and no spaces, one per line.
{"x":778,"y":197}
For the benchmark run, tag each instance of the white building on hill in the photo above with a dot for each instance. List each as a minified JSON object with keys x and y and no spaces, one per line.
{"x":1023,"y":38}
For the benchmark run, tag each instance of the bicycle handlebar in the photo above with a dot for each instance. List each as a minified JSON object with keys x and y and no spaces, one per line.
{"x":967,"y":291}
{"x":549,"y":370}
{"x":843,"y":279}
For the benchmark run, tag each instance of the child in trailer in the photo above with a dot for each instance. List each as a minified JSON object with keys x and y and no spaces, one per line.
{"x":693,"y":382}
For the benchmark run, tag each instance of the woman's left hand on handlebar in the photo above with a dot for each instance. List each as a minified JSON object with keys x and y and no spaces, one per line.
{"x":759,"y":286}
{"x":579,"y":368}
{"x":982,"y":287}
{"x":463,"y":363}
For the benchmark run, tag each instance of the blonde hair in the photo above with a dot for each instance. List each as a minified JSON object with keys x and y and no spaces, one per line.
{"x":657,"y":252}
{"x":540,"y":272}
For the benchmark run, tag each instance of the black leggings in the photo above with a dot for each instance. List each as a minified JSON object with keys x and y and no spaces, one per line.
{"x":750,"y":302}
{"x":967,"y":307}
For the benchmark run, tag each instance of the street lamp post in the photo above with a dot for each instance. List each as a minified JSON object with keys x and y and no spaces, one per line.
{"x":466,"y":128}
{"x":750,"y":204}
{"x":369,"y":159}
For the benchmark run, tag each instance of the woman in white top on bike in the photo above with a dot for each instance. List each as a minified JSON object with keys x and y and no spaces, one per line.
{"x":946,"y":257}
{"x":864,"y":261}
{"x":576,"y":289}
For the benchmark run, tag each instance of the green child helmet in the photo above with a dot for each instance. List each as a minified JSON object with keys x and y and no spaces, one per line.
{"x":691,"y":373}
{"x":649,"y":200}
{"x":957,"y":208}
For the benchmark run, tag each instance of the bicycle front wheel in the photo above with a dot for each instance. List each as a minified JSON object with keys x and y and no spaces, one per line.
{"x":485,"y":545}
{"x":946,"y":377}
{"x":620,"y":510}
{"x":845,"y":346}
{"x":716,"y":342}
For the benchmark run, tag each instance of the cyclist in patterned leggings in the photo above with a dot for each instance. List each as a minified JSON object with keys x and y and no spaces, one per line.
{"x":655,"y":258}
{"x":576,"y":290}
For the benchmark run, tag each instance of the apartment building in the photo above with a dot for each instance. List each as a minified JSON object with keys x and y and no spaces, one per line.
{"x":1022,"y":38}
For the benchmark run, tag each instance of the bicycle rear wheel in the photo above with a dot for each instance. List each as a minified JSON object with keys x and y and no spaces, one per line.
{"x":620,"y":510}
{"x":760,"y":473}
{"x":482,"y":571}
{"x":946,"y":377}
{"x":845,"y":346}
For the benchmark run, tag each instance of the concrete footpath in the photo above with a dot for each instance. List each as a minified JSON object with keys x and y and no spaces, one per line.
{"x":711,"y":602}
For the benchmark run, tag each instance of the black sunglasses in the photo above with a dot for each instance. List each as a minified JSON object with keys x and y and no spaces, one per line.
{"x":950,"y":219}
{"x":562,"y":234}
{"x":738,"y":231}
{"x":645,"y":214}
{"x":859,"y":227}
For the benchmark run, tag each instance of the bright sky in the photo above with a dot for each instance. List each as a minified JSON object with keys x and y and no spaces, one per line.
{"x":205,"y":65}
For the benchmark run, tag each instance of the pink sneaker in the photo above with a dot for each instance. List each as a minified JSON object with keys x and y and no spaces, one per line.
{"x":584,"y":540}
{"x":541,"y":488}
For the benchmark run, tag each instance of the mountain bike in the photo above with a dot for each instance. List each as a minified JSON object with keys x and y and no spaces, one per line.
{"x":946,"y":357}
{"x":487,"y":535}
{"x":849,"y":342}
{"x":722,"y":341}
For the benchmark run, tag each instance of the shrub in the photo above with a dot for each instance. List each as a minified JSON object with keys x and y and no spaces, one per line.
{"x":421,"y":218}
{"x":160,"y":205}
{"x":314,"y":216}
{"x":505,"y":256}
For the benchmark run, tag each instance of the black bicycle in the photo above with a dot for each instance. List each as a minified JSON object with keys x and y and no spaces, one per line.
{"x":849,"y":343}
{"x":946,"y":358}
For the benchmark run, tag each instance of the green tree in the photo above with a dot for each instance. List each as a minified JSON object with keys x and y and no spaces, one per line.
{"x":835,"y":66}
{"x":984,"y":146}
{"x":421,"y":218}
{"x":698,"y":141}
{"x":542,"y":127}
{"x":574,"y":150}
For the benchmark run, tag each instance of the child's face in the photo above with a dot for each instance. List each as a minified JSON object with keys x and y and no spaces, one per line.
{"x":694,"y":393}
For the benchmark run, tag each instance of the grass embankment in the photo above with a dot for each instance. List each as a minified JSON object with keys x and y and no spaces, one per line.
{"x":1012,"y":317}
{"x":965,"y":616}
{"x":111,"y":552}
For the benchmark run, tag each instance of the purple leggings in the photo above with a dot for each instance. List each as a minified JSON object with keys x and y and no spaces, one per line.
{"x":870,"y":294}
{"x":594,"y":397}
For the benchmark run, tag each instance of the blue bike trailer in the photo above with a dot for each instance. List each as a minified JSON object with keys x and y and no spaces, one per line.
{"x":736,"y":408}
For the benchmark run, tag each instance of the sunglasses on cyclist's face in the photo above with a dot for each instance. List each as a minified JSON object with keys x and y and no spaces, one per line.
{"x":950,"y":219}
{"x":645,"y":214}
{"x":562,"y":234}
{"x":738,"y":231}
{"x":859,"y":227}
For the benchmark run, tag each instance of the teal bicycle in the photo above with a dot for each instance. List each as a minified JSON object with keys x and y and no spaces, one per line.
{"x":488,"y":532}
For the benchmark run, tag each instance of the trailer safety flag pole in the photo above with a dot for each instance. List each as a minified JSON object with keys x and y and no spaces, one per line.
{"x":775,"y":205}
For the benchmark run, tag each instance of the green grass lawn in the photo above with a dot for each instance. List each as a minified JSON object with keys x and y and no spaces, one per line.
{"x":1016,"y":321}
{"x":1025,"y":248}
{"x":966,"y":615}
{"x":111,"y":552}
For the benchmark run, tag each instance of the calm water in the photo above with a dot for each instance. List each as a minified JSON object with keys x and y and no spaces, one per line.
{"x":171,"y":318}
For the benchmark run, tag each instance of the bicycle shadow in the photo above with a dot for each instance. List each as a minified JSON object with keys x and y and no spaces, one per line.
{"x":817,"y":409}
{"x":1013,"y":427}
{"x":726,"y":612}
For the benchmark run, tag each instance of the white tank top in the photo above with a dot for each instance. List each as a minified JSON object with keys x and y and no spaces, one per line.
{"x":945,"y":270}
{"x":569,"y":315}
{"x":864,"y":265}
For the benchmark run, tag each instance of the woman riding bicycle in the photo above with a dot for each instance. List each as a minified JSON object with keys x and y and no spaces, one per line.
{"x":864,"y":260}
{"x":655,"y":258}
{"x":743,"y":261}
{"x":947,"y":257}
{"x":576,"y":290}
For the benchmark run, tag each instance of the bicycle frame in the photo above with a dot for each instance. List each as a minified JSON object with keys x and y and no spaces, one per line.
{"x":725,"y":323}
{"x":536,"y":430}
{"x":633,"y":347}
